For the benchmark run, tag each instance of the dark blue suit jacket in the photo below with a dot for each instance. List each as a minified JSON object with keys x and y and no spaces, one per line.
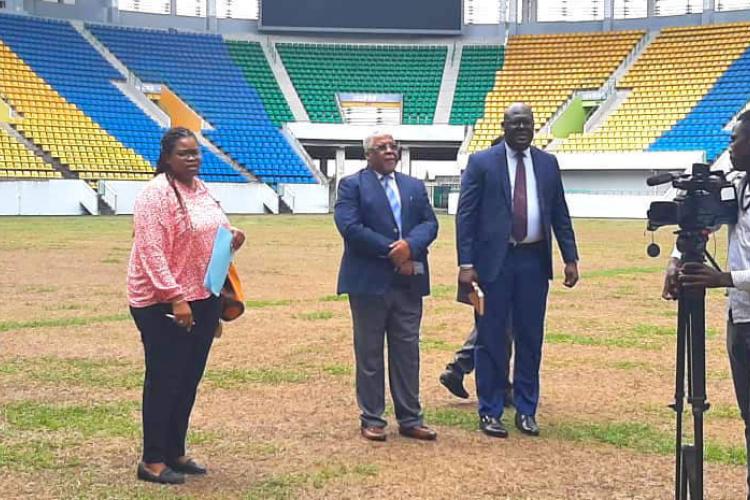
{"x":484,"y":217}
{"x":364,"y":218}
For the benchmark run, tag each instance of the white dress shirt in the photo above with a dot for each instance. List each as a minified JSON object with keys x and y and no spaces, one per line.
{"x":534,"y":231}
{"x":739,"y":259}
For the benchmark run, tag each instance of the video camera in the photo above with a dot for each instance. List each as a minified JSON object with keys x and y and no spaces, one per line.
{"x":699,"y":205}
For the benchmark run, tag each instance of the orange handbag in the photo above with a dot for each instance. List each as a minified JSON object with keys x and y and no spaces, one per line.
{"x":232,"y":296}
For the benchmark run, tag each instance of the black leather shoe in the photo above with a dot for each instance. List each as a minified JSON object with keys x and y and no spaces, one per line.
{"x":492,"y":426}
{"x":527,"y":424}
{"x":454,"y":382}
{"x":188,"y":467}
{"x":167,"y":476}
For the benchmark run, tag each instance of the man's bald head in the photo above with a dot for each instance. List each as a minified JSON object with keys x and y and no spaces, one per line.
{"x":517,"y":107}
{"x":518,"y":126}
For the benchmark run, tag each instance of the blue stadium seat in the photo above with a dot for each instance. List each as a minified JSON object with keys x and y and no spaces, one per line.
{"x":60,"y":55}
{"x":703,"y":127}
{"x":199,"y":69}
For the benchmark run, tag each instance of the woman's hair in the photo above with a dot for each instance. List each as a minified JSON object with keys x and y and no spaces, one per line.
{"x":168,"y":142}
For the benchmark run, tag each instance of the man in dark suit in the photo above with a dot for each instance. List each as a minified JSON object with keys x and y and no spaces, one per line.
{"x":387,"y":224}
{"x":511,"y":200}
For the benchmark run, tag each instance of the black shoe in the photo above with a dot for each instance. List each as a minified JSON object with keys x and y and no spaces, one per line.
{"x":454,"y":382}
{"x":492,"y":426}
{"x":189,"y":467}
{"x":167,"y":476}
{"x":527,"y":424}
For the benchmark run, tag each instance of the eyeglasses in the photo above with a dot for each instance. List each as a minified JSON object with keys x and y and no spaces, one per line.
{"x":382,"y":148}
{"x":189,"y":154}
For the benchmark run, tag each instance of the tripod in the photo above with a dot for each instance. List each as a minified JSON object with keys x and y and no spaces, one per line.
{"x":691,"y":351}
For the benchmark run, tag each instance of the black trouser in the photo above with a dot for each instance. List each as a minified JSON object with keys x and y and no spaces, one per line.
{"x":738,"y":347}
{"x":463,"y":362}
{"x":175,"y":361}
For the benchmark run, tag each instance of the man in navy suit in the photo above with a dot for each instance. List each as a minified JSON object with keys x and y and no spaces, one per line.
{"x":511,"y":200}
{"x":387,"y":224}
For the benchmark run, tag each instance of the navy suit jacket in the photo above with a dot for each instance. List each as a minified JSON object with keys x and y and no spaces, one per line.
{"x":484,"y":217}
{"x":364,"y":218}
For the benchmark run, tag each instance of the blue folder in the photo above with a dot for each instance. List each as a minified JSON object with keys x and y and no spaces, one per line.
{"x":221,"y":257}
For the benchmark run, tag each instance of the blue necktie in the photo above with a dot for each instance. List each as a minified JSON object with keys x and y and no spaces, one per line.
{"x":393,"y":200}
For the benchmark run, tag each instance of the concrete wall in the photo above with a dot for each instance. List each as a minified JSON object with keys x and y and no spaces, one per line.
{"x":53,"y":197}
{"x":234,"y":198}
{"x":306,"y":198}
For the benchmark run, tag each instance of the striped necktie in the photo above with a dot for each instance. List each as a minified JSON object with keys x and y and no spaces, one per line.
{"x":393,"y":200}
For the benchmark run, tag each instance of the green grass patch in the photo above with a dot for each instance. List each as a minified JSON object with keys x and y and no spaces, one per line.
{"x":724,"y":411}
{"x":233,"y":377}
{"x":31,"y":455}
{"x":338,"y":369}
{"x":573,"y":339}
{"x":260,"y":304}
{"x":106,"y":373}
{"x":443,"y":291}
{"x":633,"y":365}
{"x":335,"y":298}
{"x":287,"y":486}
{"x":452,"y":417}
{"x":437,"y":345}
{"x":107,"y":419}
{"x":641,"y":438}
{"x":621,"y":271}
{"x":315,"y":316}
{"x":43,"y":323}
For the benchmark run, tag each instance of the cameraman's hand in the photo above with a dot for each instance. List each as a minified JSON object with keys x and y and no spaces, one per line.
{"x":671,"y":288}
{"x":695,"y":274}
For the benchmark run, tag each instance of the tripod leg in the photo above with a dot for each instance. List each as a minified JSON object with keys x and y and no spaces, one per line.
{"x":697,"y":397}
{"x":683,"y":322}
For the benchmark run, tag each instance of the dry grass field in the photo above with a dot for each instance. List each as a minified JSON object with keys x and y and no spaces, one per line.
{"x":276,"y":415}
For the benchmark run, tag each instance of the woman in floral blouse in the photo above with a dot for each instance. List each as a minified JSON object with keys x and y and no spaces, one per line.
{"x":175,"y":221}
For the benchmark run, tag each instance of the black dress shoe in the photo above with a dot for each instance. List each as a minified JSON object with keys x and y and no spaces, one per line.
{"x":492,"y":426}
{"x":167,"y":476}
{"x":454,"y":382}
{"x":527,"y":424}
{"x":188,"y":467}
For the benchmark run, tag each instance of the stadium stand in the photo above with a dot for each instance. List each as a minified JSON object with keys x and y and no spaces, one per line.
{"x":199,"y":69}
{"x":251,"y":60}
{"x":545,"y":70}
{"x":52,"y":122}
{"x":479,"y":64}
{"x":703,"y":127}
{"x":319,"y":71}
{"x":678,"y":69}
{"x":17,"y":162}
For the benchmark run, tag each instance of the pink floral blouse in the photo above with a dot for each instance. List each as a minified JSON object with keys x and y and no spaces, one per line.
{"x":172,"y":243}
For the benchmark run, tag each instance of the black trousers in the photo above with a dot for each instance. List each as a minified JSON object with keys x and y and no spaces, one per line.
{"x":175,"y":361}
{"x":738,"y":347}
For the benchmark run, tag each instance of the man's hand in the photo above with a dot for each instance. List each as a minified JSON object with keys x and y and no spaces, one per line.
{"x":671,"y":288}
{"x":697,"y":275}
{"x":467,"y":276}
{"x":400,"y":252}
{"x":407,"y":268}
{"x":571,"y":274}
{"x":238,"y":238}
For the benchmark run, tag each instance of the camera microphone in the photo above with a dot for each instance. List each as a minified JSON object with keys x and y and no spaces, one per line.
{"x":655,"y":180}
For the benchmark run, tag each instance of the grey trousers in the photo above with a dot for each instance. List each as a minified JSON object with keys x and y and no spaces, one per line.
{"x":396,"y":316}
{"x":738,"y":347}
{"x":463,"y":362}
